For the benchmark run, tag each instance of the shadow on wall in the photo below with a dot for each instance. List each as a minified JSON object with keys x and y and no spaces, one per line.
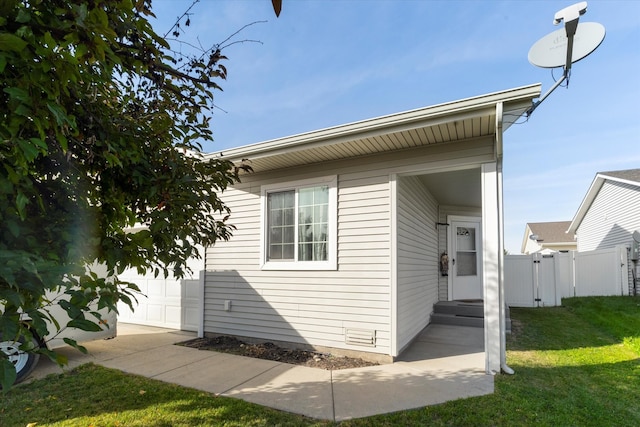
{"x":286,"y":311}
{"x":616,"y":235}
{"x":233,"y":307}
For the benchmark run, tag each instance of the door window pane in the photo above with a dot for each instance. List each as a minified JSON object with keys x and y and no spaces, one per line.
{"x":466,"y":255}
{"x":466,"y":238}
{"x":467,"y":265}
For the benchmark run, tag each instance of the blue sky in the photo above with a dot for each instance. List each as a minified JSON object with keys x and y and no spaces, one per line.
{"x":331,"y":62}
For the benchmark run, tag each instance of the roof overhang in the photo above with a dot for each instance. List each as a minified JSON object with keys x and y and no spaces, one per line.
{"x":465,"y":119}
{"x":556,"y":244}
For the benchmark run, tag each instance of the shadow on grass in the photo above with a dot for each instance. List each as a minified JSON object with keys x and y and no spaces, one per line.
{"x":93,"y":395}
{"x":581,"y":376}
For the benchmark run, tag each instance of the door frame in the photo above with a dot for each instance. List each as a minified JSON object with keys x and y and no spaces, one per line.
{"x":479,"y":250}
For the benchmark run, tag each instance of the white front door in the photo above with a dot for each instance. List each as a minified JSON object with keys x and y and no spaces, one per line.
{"x":466,"y":252}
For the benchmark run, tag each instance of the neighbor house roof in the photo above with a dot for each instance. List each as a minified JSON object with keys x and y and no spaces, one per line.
{"x":469,"y":118}
{"x":549,"y":234}
{"x":628,"y":176}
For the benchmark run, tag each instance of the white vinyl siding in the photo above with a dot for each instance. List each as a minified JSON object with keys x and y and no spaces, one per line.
{"x":612,"y":217}
{"x":317,"y":307}
{"x":417,"y":258}
{"x":300,"y":306}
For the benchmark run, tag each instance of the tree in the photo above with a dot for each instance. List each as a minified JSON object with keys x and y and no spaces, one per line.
{"x":100,"y":127}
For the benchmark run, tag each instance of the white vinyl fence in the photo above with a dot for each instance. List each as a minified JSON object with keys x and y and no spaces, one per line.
{"x":539,"y":280}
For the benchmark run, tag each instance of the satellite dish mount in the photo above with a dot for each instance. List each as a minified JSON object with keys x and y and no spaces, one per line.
{"x":571,"y":16}
{"x":547,"y":52}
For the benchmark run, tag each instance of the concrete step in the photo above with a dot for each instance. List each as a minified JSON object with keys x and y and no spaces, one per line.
{"x":463,"y":313}
{"x":460,"y":308}
{"x":452,"y":319}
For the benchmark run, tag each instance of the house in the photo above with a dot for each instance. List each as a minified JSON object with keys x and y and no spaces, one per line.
{"x":609,"y":215}
{"x":547,"y":237}
{"x":341,"y":232}
{"x":609,"y":212}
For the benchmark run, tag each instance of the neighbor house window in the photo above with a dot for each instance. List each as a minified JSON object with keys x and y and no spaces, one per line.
{"x":299,"y":229}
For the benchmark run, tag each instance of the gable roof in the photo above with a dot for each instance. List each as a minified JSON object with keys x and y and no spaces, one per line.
{"x":469,"y":118}
{"x":552,"y":232}
{"x":628,"y":176}
{"x":549,"y":233}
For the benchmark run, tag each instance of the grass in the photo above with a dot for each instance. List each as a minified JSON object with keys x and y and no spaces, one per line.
{"x":95,"y":396}
{"x":576,"y":365}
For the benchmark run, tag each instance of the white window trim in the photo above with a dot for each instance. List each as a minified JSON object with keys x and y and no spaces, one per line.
{"x":332,"y":259}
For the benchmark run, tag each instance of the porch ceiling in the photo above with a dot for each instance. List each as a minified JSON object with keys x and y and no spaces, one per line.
{"x":455,"y":188}
{"x":455,"y":121}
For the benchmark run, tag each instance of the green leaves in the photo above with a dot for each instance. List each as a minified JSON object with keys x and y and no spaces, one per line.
{"x":99,"y":132}
{"x":21,"y":203}
{"x":74,"y":344}
{"x":10,"y":42}
{"x":8,"y":373}
{"x":85,"y":325}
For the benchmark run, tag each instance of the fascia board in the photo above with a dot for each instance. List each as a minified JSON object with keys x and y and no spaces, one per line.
{"x":595,"y":187}
{"x":412,"y":119}
{"x":554,"y":244}
{"x":591,"y":195}
{"x":620,"y":180}
{"x":525,"y":239}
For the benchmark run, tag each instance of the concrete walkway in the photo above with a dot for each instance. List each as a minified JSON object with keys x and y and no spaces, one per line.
{"x":444,"y":363}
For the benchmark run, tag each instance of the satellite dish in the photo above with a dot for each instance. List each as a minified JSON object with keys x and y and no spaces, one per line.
{"x":551,"y":50}
{"x":636,"y":236}
{"x":564,"y":47}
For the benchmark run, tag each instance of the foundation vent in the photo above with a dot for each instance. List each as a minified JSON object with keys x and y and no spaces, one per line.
{"x":362,"y":337}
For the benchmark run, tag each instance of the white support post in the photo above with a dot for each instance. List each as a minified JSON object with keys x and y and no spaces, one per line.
{"x":491,"y":267}
{"x":393,"y":297}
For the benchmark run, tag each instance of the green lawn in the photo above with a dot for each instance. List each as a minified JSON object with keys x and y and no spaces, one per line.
{"x":576,"y":365}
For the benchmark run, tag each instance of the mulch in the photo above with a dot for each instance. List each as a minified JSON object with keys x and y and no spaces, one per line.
{"x":270,"y":351}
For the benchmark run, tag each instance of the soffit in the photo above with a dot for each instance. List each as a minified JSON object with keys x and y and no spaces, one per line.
{"x":455,"y":121}
{"x":455,"y":188}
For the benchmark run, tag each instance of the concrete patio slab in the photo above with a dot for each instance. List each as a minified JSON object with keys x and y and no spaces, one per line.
{"x":443,"y":363}
{"x":131,"y":340}
{"x":218,"y":373}
{"x":390,"y":388}
{"x":155,"y":363}
{"x":297,"y":389}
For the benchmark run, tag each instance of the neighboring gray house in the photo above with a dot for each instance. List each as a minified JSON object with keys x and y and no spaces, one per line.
{"x":340,"y":231}
{"x":609,"y":213}
{"x":547,"y":237}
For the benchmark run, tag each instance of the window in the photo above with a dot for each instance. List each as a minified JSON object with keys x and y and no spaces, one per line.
{"x":299,"y":225}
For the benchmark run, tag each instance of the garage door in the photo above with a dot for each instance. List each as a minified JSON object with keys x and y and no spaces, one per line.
{"x":166,"y":303}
